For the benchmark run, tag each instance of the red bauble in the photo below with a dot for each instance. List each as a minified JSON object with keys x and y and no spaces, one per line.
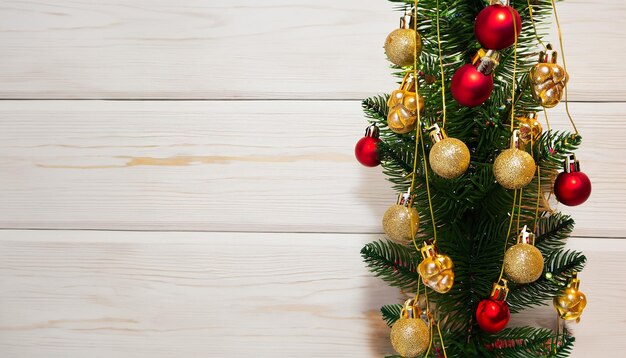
{"x":470,"y":87}
{"x":494,"y":27}
{"x":572,"y":188}
{"x":366,"y":149}
{"x":492,"y":315}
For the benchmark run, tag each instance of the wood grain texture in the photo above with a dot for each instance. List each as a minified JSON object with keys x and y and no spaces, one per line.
{"x":284,"y":166}
{"x":131,"y":294}
{"x":269,"y":49}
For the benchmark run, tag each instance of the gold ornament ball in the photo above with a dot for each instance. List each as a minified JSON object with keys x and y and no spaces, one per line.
{"x":400,"y":46}
{"x":530,"y":129}
{"x":397,"y":223}
{"x":437,"y":272}
{"x":514,"y":168}
{"x":449,"y":158}
{"x":548,"y":81}
{"x":410,"y":337}
{"x":523,"y":263}
{"x":571,"y":304}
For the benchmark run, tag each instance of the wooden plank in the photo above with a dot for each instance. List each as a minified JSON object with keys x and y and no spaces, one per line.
{"x":274,"y":49}
{"x":231,"y":166}
{"x":137,"y":294}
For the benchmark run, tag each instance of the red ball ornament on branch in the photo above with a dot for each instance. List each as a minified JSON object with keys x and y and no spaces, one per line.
{"x":366,"y":149}
{"x":572,"y":187}
{"x":493,"y":313}
{"x":497,"y":26}
{"x":472,"y":84}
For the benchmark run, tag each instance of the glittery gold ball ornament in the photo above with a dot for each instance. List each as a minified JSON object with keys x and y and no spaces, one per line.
{"x":436,"y":270}
{"x":514,"y":168}
{"x":410,"y":336}
{"x":523,"y":262}
{"x":529,"y":128}
{"x":571,"y":304}
{"x":449,"y":157}
{"x":548,"y":79}
{"x":403,"y":104}
{"x":402,"y":44}
{"x":401,"y":221}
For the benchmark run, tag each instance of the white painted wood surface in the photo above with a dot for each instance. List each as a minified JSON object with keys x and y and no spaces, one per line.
{"x":254,"y":49}
{"x":132,"y":294}
{"x":233,"y":166}
{"x":278,"y":174}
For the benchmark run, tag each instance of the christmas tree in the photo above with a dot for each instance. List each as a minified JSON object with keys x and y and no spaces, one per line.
{"x":472,"y":237}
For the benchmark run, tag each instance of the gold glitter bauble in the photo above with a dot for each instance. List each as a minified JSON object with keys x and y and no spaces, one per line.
{"x":410,"y":337}
{"x":397,"y":223}
{"x":523,"y":263}
{"x":400,"y":46}
{"x":514,"y":168}
{"x":548,"y":82}
{"x":449,"y":158}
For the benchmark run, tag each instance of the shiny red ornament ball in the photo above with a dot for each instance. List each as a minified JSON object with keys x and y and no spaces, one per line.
{"x":492,"y":315}
{"x":572,"y":188}
{"x":470,"y":87}
{"x":494,"y":27}
{"x":366,"y":151}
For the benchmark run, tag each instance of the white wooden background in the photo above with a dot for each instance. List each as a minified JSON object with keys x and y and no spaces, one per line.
{"x":177,"y":178}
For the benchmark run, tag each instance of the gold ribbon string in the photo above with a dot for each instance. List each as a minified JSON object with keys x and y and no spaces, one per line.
{"x":443,"y":82}
{"x":418,"y":139}
{"x":419,"y":119}
{"x":519,"y":207}
{"x":558,"y":27}
{"x":508,"y":233}
{"x":514,"y":70}
{"x":538,"y":198}
{"x":532,"y":21}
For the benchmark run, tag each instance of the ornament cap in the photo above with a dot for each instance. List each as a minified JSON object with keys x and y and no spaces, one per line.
{"x":372,"y":131}
{"x":406,"y":199}
{"x":526,"y":237}
{"x":411,"y":309}
{"x":548,"y":56}
{"x":574,"y":282}
{"x":572,"y":165}
{"x":516,"y":142}
{"x":436,"y":133}
{"x":486,"y":61}
{"x":407,"y":21}
{"x":428,"y":250}
{"x":500,"y":290}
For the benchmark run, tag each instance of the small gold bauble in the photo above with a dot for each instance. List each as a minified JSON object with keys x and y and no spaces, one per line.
{"x":548,"y":81}
{"x":436,"y":269}
{"x":514,"y":168}
{"x":523,"y":263}
{"x":403,"y":105}
{"x":410,"y":337}
{"x":449,"y":158}
{"x":571,"y":304}
{"x":401,"y":45}
{"x":397,"y":223}
{"x":529,"y":128}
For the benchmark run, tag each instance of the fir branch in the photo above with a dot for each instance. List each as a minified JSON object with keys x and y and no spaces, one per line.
{"x":523,"y":342}
{"x":392,"y":262}
{"x":552,"y":231}
{"x":391,"y":313}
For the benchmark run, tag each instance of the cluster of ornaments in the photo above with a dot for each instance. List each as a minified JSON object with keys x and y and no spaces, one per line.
{"x":496,"y":28}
